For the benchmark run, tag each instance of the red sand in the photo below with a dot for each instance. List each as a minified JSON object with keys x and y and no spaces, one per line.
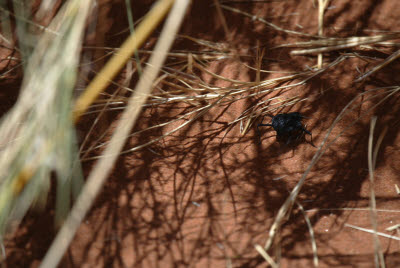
{"x":206,"y":195}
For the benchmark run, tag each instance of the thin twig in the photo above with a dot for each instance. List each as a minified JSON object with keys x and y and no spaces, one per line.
{"x":373,"y":232}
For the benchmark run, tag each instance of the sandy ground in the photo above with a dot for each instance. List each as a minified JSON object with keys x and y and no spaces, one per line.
{"x":206,"y":195}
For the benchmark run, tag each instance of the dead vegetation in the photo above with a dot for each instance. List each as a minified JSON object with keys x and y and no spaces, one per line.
{"x":37,"y":133}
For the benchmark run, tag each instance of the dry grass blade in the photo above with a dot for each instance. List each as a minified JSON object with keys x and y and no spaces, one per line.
{"x":321,"y":11}
{"x":266,"y":256}
{"x":101,"y":170}
{"x":331,"y":44}
{"x":118,"y":60}
{"x":310,"y":229}
{"x":37,"y":135}
{"x":372,"y":232}
{"x":377,"y":247}
{"x":392,"y":228}
{"x":379,"y":260}
{"x":397,"y":188}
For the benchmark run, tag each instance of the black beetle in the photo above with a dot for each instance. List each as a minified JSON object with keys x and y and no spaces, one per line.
{"x":288,"y":127}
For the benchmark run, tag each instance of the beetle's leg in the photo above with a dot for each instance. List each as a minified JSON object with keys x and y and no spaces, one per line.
{"x":309,"y":133}
{"x":312,"y":141}
{"x":306,"y":131}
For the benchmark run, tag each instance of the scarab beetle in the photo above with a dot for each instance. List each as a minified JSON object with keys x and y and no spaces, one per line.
{"x":288,"y":127}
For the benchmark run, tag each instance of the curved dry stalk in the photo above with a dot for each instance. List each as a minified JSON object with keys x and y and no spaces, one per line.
{"x":379,"y":259}
{"x":312,"y":235}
